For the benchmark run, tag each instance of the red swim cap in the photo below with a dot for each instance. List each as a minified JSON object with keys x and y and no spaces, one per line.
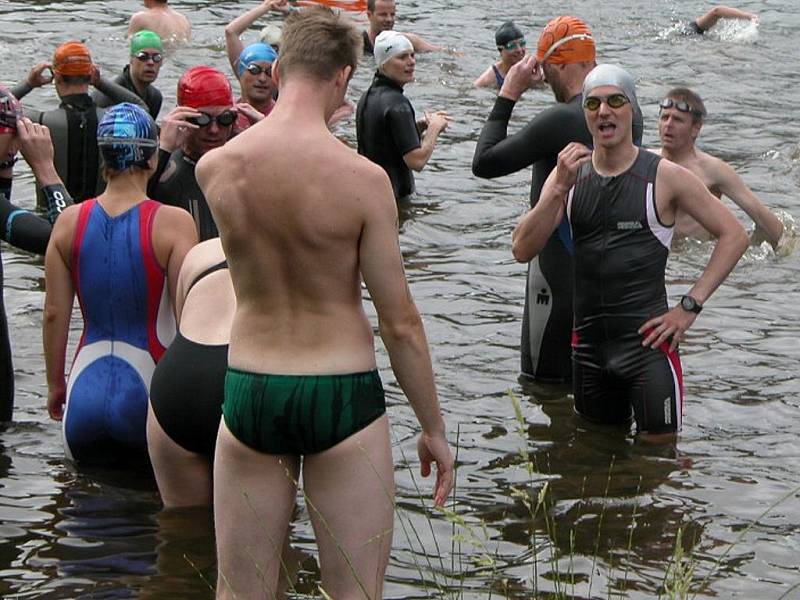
{"x":72,"y":58}
{"x":204,"y":86}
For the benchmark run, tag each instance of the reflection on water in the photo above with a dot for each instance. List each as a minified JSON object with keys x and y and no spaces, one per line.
{"x":611,"y":508}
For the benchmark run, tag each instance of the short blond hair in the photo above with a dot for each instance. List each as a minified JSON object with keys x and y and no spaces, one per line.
{"x":318,"y":43}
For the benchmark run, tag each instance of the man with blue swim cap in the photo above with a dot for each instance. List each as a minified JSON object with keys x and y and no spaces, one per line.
{"x":254,"y":71}
{"x":625,"y":337}
{"x":146,"y":58}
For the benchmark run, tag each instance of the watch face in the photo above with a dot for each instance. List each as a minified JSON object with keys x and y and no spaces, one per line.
{"x":690,"y":304}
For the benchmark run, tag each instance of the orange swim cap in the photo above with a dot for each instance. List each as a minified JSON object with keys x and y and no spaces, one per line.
{"x":72,"y":58}
{"x":565,"y":40}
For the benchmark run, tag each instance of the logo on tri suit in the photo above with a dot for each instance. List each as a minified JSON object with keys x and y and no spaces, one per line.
{"x":667,"y":410}
{"x":626,"y":225}
{"x":543,"y":297}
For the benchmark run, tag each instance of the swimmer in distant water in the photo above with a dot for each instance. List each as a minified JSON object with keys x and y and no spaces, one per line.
{"x":170,"y":25}
{"x":120,"y":253}
{"x":681,"y":115}
{"x":708,"y":20}
{"x":510,"y":42}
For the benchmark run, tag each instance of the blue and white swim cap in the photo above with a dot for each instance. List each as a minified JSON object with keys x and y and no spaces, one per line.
{"x":255,"y":53}
{"x":127,"y":137}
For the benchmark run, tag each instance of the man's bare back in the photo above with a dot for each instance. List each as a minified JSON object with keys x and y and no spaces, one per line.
{"x":170,"y":25}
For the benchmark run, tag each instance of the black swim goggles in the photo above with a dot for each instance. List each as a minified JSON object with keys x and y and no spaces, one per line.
{"x":143,"y":56}
{"x":592,"y":103}
{"x":681,"y":106}
{"x":256,"y":70}
{"x":223,"y":119}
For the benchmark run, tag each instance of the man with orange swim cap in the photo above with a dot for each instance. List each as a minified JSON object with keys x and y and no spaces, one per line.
{"x":564,"y":56}
{"x":203,"y":120}
{"x":73,"y":125}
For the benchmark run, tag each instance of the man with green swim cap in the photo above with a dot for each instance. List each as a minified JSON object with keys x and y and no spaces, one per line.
{"x":147,"y":55}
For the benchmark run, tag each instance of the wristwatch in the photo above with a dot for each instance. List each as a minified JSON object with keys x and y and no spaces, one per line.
{"x":689,"y":304}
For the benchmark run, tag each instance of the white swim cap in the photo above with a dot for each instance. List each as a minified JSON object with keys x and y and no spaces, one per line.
{"x":389,"y":44}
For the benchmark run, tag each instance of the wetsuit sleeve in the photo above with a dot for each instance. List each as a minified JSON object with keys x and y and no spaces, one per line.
{"x":152,"y":184}
{"x":400,"y":121}
{"x":22,"y":228}
{"x":21,"y":89}
{"x":117,"y":93}
{"x":498,"y":154}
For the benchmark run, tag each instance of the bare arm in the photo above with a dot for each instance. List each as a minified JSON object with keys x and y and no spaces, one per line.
{"x":710,"y":18}
{"x":487,"y":79}
{"x":417,"y":159}
{"x":421,"y":44}
{"x":684,"y":191}
{"x":536,"y":226}
{"x":138,"y":22}
{"x":732,"y":185}
{"x":58,"y":301}
{"x":401,"y":326}
{"x":240,"y":24}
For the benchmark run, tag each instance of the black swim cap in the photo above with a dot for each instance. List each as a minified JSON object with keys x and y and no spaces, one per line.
{"x":506,"y":33}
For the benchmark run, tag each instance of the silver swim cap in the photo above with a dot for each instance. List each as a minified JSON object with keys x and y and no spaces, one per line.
{"x":612,"y":75}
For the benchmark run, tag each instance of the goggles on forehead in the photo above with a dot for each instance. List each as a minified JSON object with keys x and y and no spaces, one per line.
{"x":680,"y":106}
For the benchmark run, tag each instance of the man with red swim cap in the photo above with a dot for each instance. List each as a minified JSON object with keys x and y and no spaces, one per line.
{"x":73,"y":125}
{"x":565,"y":54}
{"x":203,"y":120}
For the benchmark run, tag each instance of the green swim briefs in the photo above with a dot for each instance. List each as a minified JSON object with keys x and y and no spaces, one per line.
{"x":299,"y":414}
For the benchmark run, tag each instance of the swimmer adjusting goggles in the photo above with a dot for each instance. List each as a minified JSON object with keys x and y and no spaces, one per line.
{"x":223,"y":119}
{"x":681,"y":106}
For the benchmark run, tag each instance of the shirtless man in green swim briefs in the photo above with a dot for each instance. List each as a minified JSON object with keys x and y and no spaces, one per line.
{"x":302,"y":219}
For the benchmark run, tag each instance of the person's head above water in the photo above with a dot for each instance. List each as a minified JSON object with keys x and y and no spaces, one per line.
{"x":614,"y":87}
{"x":381,"y":14}
{"x":146,"y":40}
{"x":317,"y":43}
{"x":258,"y":53}
{"x":147,"y":54}
{"x":566,"y":40}
{"x":507,"y":32}
{"x":203,"y":86}
{"x":128,"y":138}
{"x":72,"y":62}
{"x":394,"y":57}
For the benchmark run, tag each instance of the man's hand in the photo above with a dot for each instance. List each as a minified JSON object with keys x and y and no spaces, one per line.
{"x":438,"y":120}
{"x":175,"y":129}
{"x":278,"y":6}
{"x":252,"y":115}
{"x":35,"y":143}
{"x":521,"y":77}
{"x":434,"y":448}
{"x":40,"y":75}
{"x":671,"y":325}
{"x":569,"y":163}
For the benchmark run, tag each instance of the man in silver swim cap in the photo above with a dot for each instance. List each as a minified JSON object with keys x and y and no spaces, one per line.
{"x":625,"y":341}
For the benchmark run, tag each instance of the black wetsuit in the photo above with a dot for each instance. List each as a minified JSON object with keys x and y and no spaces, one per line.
{"x":188,"y":388}
{"x":621,"y":250}
{"x":152,"y":95}
{"x":545,"y":351}
{"x":174,"y":183}
{"x":30,"y":232}
{"x":386,"y":129}
{"x":73,"y":128}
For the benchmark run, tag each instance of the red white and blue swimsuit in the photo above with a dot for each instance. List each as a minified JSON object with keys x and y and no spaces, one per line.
{"x":128,"y":322}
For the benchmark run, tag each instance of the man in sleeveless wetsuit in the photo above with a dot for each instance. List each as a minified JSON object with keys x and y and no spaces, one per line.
{"x":386,"y":127}
{"x":20,"y":227}
{"x":73,"y":125}
{"x":147,"y":55}
{"x":381,"y":15}
{"x":565,"y":54}
{"x":510,"y":42}
{"x":626,"y":338}
{"x":203,"y":120}
{"x":302,"y":386}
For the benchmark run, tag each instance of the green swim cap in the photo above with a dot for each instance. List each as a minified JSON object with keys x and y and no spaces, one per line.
{"x":145,"y":39}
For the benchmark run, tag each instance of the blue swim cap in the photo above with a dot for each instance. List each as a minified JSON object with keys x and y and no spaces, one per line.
{"x":127,"y":137}
{"x":255,"y":53}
